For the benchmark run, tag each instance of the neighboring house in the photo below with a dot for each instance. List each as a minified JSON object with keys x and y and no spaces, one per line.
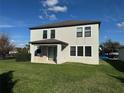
{"x":121,"y":53}
{"x":67,"y":41}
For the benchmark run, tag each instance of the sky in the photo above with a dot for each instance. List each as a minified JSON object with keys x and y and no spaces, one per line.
{"x":17,"y":16}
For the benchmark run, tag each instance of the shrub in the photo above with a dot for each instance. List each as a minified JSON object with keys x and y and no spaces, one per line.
{"x":23,"y":56}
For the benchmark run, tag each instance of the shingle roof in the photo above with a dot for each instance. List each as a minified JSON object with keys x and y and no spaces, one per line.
{"x":49,"y":41}
{"x":66,"y":24}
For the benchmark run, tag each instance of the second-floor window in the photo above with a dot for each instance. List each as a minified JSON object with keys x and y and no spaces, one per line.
{"x":87,"y":31}
{"x":44,"y":34}
{"x":52,"y":33}
{"x":79,"y":32}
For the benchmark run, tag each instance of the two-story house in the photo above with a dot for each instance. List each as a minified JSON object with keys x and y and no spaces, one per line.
{"x":66,"y":41}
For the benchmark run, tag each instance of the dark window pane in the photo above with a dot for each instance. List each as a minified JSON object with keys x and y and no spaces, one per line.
{"x":88,"y":51}
{"x":52,"y":33}
{"x":44,"y":34}
{"x":44,"y":51}
{"x":38,"y":52}
{"x":73,"y":51}
{"x":80,"y":50}
{"x":87,"y":28}
{"x":79,"y":34}
{"x":79,"y":29}
{"x":87,"y":31}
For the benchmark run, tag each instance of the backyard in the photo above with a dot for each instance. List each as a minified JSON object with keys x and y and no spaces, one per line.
{"x":25,"y":77}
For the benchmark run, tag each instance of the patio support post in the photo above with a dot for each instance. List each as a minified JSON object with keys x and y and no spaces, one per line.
{"x":32,"y":51}
{"x":58,"y":53}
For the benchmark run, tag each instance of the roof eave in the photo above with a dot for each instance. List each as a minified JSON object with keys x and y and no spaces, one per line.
{"x":33,"y":28}
{"x":54,"y":42}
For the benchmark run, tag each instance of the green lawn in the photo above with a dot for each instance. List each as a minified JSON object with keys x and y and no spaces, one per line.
{"x":24,"y":77}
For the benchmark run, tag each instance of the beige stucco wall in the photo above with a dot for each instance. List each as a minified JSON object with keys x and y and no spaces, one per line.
{"x":43,"y":59}
{"x":121,"y":54}
{"x":68,"y":34}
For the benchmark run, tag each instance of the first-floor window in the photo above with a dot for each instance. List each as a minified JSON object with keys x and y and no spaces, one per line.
{"x":80,"y":50}
{"x":88,"y":51}
{"x":72,"y":51}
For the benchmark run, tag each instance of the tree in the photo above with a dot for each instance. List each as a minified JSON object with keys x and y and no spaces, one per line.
{"x":110,"y":46}
{"x":5,"y":45}
{"x":100,"y":49}
{"x":27,"y":46}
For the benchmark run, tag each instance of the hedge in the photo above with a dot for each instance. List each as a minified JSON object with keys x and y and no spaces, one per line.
{"x":23,"y":56}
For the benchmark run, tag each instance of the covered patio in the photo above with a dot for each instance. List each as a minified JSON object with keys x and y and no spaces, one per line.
{"x":47,"y":51}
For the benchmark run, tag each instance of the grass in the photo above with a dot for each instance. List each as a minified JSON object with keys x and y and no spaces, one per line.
{"x":24,"y":77}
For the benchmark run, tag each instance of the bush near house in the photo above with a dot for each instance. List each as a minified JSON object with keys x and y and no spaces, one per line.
{"x":23,"y":56}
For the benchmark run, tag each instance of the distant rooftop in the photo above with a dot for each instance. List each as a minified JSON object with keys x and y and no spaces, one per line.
{"x":66,"y":24}
{"x":122,"y":46}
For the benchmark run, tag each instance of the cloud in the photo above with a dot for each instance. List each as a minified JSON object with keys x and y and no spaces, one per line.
{"x":41,"y":17}
{"x":58,"y":9}
{"x":105,"y":37}
{"x":51,"y":8}
{"x":5,"y":26}
{"x":49,"y":16}
{"x":73,"y":16}
{"x":52,"y":17}
{"x":20,"y":43}
{"x":50,"y":3}
{"x":13,"y":41}
{"x":120,"y":25}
